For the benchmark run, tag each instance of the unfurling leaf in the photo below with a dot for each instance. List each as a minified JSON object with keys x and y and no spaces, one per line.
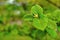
{"x":37,"y":10}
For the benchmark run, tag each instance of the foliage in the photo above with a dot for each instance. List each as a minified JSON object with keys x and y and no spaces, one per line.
{"x":43,"y":22}
{"x":29,"y":21}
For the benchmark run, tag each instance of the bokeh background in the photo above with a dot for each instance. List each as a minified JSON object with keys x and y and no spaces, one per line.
{"x":11,"y":18}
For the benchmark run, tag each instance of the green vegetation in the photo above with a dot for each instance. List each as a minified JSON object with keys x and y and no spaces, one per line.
{"x":30,"y":20}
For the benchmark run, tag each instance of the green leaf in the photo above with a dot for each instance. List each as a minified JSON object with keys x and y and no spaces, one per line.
{"x":36,"y":10}
{"x":41,"y":34}
{"x":58,"y":28}
{"x":51,"y":32}
{"x":28,"y":17}
{"x":40,"y":24}
{"x":34,"y":33}
{"x":52,"y":24}
{"x":56,"y":14}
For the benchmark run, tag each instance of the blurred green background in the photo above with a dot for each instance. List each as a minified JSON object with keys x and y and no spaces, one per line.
{"x":12,"y":25}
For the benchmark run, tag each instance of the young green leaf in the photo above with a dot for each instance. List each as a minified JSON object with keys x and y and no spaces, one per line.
{"x":36,"y":10}
{"x":40,"y":24}
{"x":39,"y":20}
{"x":52,"y":24}
{"x":51,"y":32}
{"x":55,"y":15}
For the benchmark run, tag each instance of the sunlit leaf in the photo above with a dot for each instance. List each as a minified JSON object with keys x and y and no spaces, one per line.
{"x":40,"y":24}
{"x":52,"y":24}
{"x":37,"y":10}
{"x":51,"y":32}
